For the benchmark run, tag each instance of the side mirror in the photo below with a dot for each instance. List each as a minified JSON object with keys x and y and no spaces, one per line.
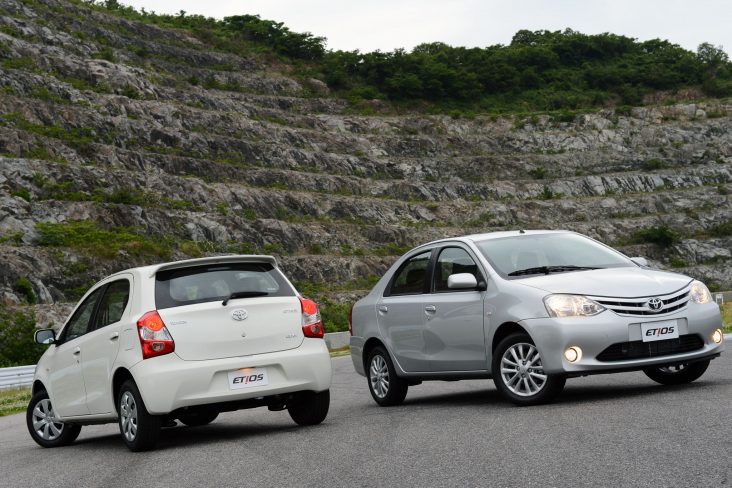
{"x":462,"y":281}
{"x":642,"y":262}
{"x":45,"y":336}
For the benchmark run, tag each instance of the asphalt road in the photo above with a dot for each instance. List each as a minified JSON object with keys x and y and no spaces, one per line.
{"x":618,"y":430}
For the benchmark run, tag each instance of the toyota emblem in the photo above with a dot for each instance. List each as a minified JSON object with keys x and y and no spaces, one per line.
{"x":655,"y":303}
{"x":239,"y":314}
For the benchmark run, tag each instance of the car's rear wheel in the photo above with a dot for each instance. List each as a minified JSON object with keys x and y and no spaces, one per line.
{"x":677,"y":374}
{"x":43,"y":425}
{"x":140,"y":430}
{"x":198,"y":419}
{"x":518,"y":372}
{"x":309,"y":407}
{"x":386,"y":387}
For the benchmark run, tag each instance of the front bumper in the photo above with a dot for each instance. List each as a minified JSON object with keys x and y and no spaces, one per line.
{"x":594,"y":334}
{"x":167,"y":383}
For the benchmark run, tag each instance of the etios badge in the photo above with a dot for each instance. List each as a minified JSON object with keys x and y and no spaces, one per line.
{"x":239,"y":314}
{"x":655,"y":303}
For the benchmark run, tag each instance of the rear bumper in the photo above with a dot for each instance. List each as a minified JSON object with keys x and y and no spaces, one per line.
{"x":594,"y":334}
{"x":167,"y":383}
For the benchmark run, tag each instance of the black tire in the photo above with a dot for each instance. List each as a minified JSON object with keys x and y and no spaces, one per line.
{"x":678,"y":374}
{"x":547,"y":391}
{"x":198,"y":419}
{"x":143,"y":429}
{"x":387,"y":389}
{"x":41,"y":408}
{"x":309,"y":407}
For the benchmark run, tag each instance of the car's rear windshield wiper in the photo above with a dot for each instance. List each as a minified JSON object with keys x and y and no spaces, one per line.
{"x":244,"y":294}
{"x":548,"y":269}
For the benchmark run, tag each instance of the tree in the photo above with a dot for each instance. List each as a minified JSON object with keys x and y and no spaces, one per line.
{"x":713,"y":58}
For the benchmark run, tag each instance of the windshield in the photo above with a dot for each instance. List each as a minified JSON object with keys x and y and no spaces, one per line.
{"x":535,"y":254}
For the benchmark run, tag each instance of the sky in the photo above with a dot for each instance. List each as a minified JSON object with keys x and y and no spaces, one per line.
{"x":389,"y":24}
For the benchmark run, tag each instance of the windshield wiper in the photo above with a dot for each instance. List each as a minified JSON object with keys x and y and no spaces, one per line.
{"x":244,"y":294}
{"x":548,"y":269}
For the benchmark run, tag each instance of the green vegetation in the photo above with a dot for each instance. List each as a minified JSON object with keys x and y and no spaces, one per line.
{"x":79,"y":138}
{"x":653,"y":164}
{"x":538,"y":71}
{"x":538,"y":173}
{"x":68,"y":191}
{"x":87,"y":237}
{"x":722,"y":230}
{"x":482,"y":220}
{"x":17,"y":346}
{"x":678,"y":262}
{"x":14,"y":400}
{"x":662,"y":236}
{"x":22,"y":193}
{"x":25,"y":288}
{"x":334,"y":315}
{"x":726,"y":311}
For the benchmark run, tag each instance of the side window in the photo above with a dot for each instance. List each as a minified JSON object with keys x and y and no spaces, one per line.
{"x":453,"y":260}
{"x":113,"y":303}
{"x":79,"y":323}
{"x":409,"y":278}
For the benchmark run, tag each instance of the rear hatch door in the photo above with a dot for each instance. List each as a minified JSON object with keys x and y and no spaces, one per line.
{"x":191,"y":303}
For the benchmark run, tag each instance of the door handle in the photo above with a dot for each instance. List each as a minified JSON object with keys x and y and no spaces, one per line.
{"x":383,"y":309}
{"x":114,"y":336}
{"x":76,"y":352}
{"x":430,"y":308}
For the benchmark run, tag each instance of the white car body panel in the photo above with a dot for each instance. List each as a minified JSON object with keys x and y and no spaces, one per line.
{"x":80,"y":386}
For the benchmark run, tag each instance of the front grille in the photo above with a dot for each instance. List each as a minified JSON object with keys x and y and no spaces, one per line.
{"x":623,"y":351}
{"x":639,"y":307}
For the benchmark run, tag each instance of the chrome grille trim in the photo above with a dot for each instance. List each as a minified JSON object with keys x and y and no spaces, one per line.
{"x":638,"y":307}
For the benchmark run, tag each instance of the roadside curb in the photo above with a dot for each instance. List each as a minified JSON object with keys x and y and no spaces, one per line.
{"x":337,"y":340}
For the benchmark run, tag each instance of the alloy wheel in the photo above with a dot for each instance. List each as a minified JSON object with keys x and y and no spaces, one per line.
{"x":379,"y":376}
{"x":522,"y":371}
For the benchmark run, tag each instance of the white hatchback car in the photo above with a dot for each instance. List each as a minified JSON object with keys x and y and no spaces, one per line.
{"x":184,"y":340}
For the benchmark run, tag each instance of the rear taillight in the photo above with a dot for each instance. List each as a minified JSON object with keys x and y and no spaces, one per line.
{"x":312,"y":325}
{"x":350,"y":320}
{"x":154,"y":336}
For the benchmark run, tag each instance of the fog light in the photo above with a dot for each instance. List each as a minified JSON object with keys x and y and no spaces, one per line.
{"x":573,"y":354}
{"x":717,"y":336}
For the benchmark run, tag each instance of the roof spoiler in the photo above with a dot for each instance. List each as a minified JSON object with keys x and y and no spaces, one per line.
{"x":238,"y":258}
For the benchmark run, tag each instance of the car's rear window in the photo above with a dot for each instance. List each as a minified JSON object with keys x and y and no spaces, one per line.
{"x":185,"y":286}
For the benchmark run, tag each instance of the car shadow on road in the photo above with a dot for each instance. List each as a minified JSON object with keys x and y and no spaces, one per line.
{"x":181,"y":436}
{"x":572,"y":394}
{"x":591,"y":393}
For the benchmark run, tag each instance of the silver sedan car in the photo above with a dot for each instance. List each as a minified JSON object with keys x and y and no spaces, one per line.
{"x":529,"y":309}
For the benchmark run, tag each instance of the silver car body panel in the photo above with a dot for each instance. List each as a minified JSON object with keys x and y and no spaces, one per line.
{"x":451,"y":343}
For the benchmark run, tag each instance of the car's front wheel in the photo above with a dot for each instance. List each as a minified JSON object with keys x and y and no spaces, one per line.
{"x":43,"y":425}
{"x":140,"y":430}
{"x":386,"y":387}
{"x":309,"y":407}
{"x":678,"y":374}
{"x":518,"y":372}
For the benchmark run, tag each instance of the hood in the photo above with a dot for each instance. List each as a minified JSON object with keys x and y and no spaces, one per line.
{"x":611,"y":282}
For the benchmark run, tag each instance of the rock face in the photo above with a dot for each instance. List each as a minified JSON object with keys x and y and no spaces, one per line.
{"x":106,"y":122}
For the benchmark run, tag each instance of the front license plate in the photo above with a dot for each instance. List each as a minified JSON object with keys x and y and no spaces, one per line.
{"x":658,"y":331}
{"x":247,"y":378}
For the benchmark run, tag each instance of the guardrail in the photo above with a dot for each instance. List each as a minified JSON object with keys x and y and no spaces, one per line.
{"x":16,"y":377}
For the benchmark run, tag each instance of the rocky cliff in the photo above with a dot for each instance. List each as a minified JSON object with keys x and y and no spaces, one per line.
{"x":122,"y":143}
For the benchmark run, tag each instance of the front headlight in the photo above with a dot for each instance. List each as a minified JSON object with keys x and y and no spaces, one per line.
{"x":571,"y":306}
{"x":700,"y":293}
